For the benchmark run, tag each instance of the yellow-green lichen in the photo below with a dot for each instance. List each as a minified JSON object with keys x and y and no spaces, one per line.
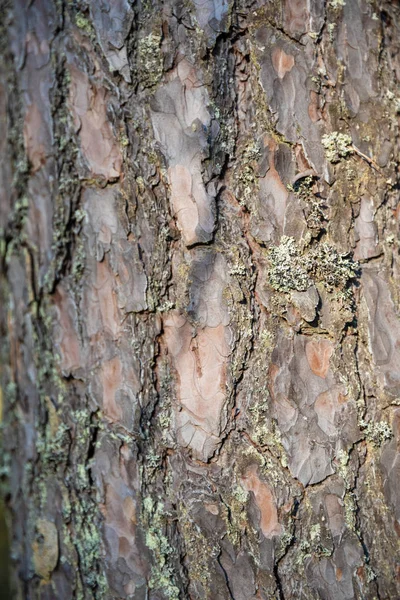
{"x":350,"y":510}
{"x":162,"y":574}
{"x":83,"y":23}
{"x":394,"y":99}
{"x":376,"y":433}
{"x":235,"y":515}
{"x":342,"y":460}
{"x":199,"y":550}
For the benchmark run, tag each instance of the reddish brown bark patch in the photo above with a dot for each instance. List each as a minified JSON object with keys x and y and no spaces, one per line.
{"x":111,"y":375}
{"x":199,"y":359}
{"x":66,"y":333}
{"x":327,"y":405}
{"x":183,"y":202}
{"x":283,"y":63}
{"x":318,"y":355}
{"x":269,"y":523}
{"x":313,"y":108}
{"x":88,"y":105}
{"x":397,"y":527}
{"x":106,"y":297}
{"x":34,"y":144}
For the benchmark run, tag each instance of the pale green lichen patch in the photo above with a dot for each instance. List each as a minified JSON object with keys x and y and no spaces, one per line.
{"x":199,"y":550}
{"x":377,"y":433}
{"x":313,"y":543}
{"x":326,"y":264}
{"x":394,"y":99}
{"x":350,"y":510}
{"x":81,"y":509}
{"x":246,"y":177}
{"x":162,"y":574}
{"x":268,"y":437}
{"x":314,"y":207}
{"x":150,"y":61}
{"x":350,"y":506}
{"x":240,"y":494}
{"x":342,"y":460}
{"x":235,"y":515}
{"x":83,"y":23}
{"x":287,"y":270}
{"x":337,"y":146}
{"x":290,"y":269}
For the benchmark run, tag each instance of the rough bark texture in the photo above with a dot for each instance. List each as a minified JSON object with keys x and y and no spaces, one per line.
{"x":200,"y":298}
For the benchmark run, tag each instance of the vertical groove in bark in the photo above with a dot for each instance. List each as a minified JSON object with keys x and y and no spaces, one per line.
{"x":200,"y":299}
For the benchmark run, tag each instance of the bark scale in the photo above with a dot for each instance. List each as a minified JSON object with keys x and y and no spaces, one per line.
{"x":200,"y":298}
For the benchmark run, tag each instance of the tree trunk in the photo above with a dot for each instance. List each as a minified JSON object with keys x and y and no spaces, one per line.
{"x":200,"y":298}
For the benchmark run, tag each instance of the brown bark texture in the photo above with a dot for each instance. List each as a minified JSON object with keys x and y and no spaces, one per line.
{"x":200,"y":298}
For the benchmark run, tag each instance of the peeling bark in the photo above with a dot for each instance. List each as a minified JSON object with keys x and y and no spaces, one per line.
{"x":199,"y":222}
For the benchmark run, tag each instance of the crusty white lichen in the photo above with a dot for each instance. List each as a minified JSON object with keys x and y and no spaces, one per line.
{"x":336,"y":4}
{"x":377,"y":433}
{"x":337,"y":146}
{"x":287,"y":270}
{"x":290,"y":269}
{"x":324,"y":263}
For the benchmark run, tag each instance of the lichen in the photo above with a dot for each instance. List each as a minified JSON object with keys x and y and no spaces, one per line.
{"x":314,"y":207}
{"x":246,"y":177}
{"x":335,"y":270}
{"x":81,"y":512}
{"x":336,"y":4}
{"x":315,"y":543}
{"x":286,"y":270}
{"x":337,"y":146}
{"x":350,"y":510}
{"x":240,"y":494}
{"x":370,"y":573}
{"x":166,"y":306}
{"x":394,"y":99}
{"x":315,"y":532}
{"x":150,"y":60}
{"x":342,"y":460}
{"x":18,"y":220}
{"x":235,"y":515}
{"x":84,"y":24}
{"x":198,"y":548}
{"x":88,"y":544}
{"x":162,"y":574}
{"x":376,"y":433}
{"x":304,"y":552}
{"x":238,"y":269}
{"x":290,"y":269}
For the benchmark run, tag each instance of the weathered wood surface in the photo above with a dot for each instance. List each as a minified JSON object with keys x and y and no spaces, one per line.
{"x":199,"y":212}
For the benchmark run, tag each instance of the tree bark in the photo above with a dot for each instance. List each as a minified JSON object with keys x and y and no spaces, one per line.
{"x":200,"y":298}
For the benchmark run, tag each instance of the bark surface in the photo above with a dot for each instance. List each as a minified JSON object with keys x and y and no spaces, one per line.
{"x":200,"y":298}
